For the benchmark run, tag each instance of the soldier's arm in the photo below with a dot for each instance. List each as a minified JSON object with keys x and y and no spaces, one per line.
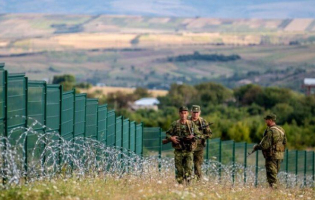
{"x":207,"y":131}
{"x":265,"y":143}
{"x":170,"y":132}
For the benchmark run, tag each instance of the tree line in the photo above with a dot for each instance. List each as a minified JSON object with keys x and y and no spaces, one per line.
{"x":237,"y":114}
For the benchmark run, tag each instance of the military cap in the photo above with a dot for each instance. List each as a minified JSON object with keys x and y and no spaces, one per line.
{"x":195,"y":108}
{"x":183,"y":108}
{"x":271,"y":116}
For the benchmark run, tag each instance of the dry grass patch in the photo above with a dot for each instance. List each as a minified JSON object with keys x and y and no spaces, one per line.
{"x":93,"y":40}
{"x":106,"y":90}
{"x":298,"y":25}
{"x":130,"y":187}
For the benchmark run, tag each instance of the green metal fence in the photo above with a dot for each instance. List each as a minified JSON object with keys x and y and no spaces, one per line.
{"x":47,"y":108}
{"x":230,"y":153}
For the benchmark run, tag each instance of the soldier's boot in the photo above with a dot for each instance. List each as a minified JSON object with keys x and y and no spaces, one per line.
{"x":273,"y":186}
{"x":180,"y":180}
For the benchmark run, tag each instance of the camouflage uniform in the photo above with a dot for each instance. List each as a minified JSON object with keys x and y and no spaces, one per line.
{"x":183,"y":153}
{"x":273,"y":147}
{"x":204,"y":134}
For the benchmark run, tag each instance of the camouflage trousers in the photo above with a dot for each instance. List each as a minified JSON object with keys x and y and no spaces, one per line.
{"x":183,"y":165}
{"x":198,"y":161}
{"x":272,"y":169}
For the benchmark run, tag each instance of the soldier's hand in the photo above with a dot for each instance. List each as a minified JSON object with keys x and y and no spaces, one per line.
{"x":256,"y":147}
{"x":174,"y":139}
{"x":190,"y":136}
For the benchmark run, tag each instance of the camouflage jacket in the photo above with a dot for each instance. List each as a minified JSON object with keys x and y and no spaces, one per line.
{"x":182,"y":131}
{"x":204,"y":132}
{"x":203,"y":127}
{"x":273,"y":143}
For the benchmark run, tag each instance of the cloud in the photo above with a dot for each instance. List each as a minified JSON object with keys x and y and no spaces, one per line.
{"x":293,"y":9}
{"x":155,"y":7}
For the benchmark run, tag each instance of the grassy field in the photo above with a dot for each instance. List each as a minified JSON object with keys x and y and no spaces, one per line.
{"x":129,"y":187}
{"x":106,"y":90}
{"x":280,"y":65}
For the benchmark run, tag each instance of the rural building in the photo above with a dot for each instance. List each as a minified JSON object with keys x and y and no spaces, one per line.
{"x":145,"y":103}
{"x":308,"y":84}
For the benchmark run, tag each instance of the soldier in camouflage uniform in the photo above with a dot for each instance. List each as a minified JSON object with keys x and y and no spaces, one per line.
{"x":181,"y":134}
{"x":273,"y":147}
{"x":204,"y":133}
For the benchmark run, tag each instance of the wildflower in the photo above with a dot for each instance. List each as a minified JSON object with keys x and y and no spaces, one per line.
{"x":218,"y":195}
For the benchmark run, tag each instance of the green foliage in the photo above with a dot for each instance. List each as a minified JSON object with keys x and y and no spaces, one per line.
{"x":248,"y":94}
{"x":201,"y":94}
{"x":179,"y":95}
{"x":120,"y":100}
{"x":141,"y":92}
{"x":84,"y":85}
{"x":239,"y":132}
{"x":212,"y":93}
{"x":63,"y":78}
{"x":237,"y":114}
{"x":206,"y":57}
{"x":67,"y":81}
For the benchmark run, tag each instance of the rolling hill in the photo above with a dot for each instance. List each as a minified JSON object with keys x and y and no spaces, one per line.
{"x":148,"y":51}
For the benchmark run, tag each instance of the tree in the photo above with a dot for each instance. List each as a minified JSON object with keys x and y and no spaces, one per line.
{"x":239,"y":132}
{"x":212,"y":93}
{"x":119,"y":99}
{"x":141,"y":92}
{"x":66,"y":80}
{"x":179,"y":95}
{"x":248,"y":94}
{"x":283,"y":112}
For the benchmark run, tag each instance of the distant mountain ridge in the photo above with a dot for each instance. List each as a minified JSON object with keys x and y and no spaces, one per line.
{"x":262,"y":9}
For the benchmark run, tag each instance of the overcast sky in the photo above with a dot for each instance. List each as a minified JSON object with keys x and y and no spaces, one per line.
{"x":267,"y":9}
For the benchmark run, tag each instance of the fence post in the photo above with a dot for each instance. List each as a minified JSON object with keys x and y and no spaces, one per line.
{"x":97,"y":136}
{"x":142,"y":125}
{"x":220,"y":159}
{"x":73,"y":114}
{"x":60,"y":123}
{"x":287,"y":165}
{"x":233,"y":160}
{"x":160,"y":148}
{"x":207,"y":151}
{"x":26,"y":121}
{"x":4,"y":180}
{"x":73,"y":133}
{"x":45,"y":122}
{"x":296,"y":166}
{"x":207,"y":155}
{"x":245,"y":161}
{"x":305,"y":167}
{"x":313,"y":168}
{"x":256,"y":170}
